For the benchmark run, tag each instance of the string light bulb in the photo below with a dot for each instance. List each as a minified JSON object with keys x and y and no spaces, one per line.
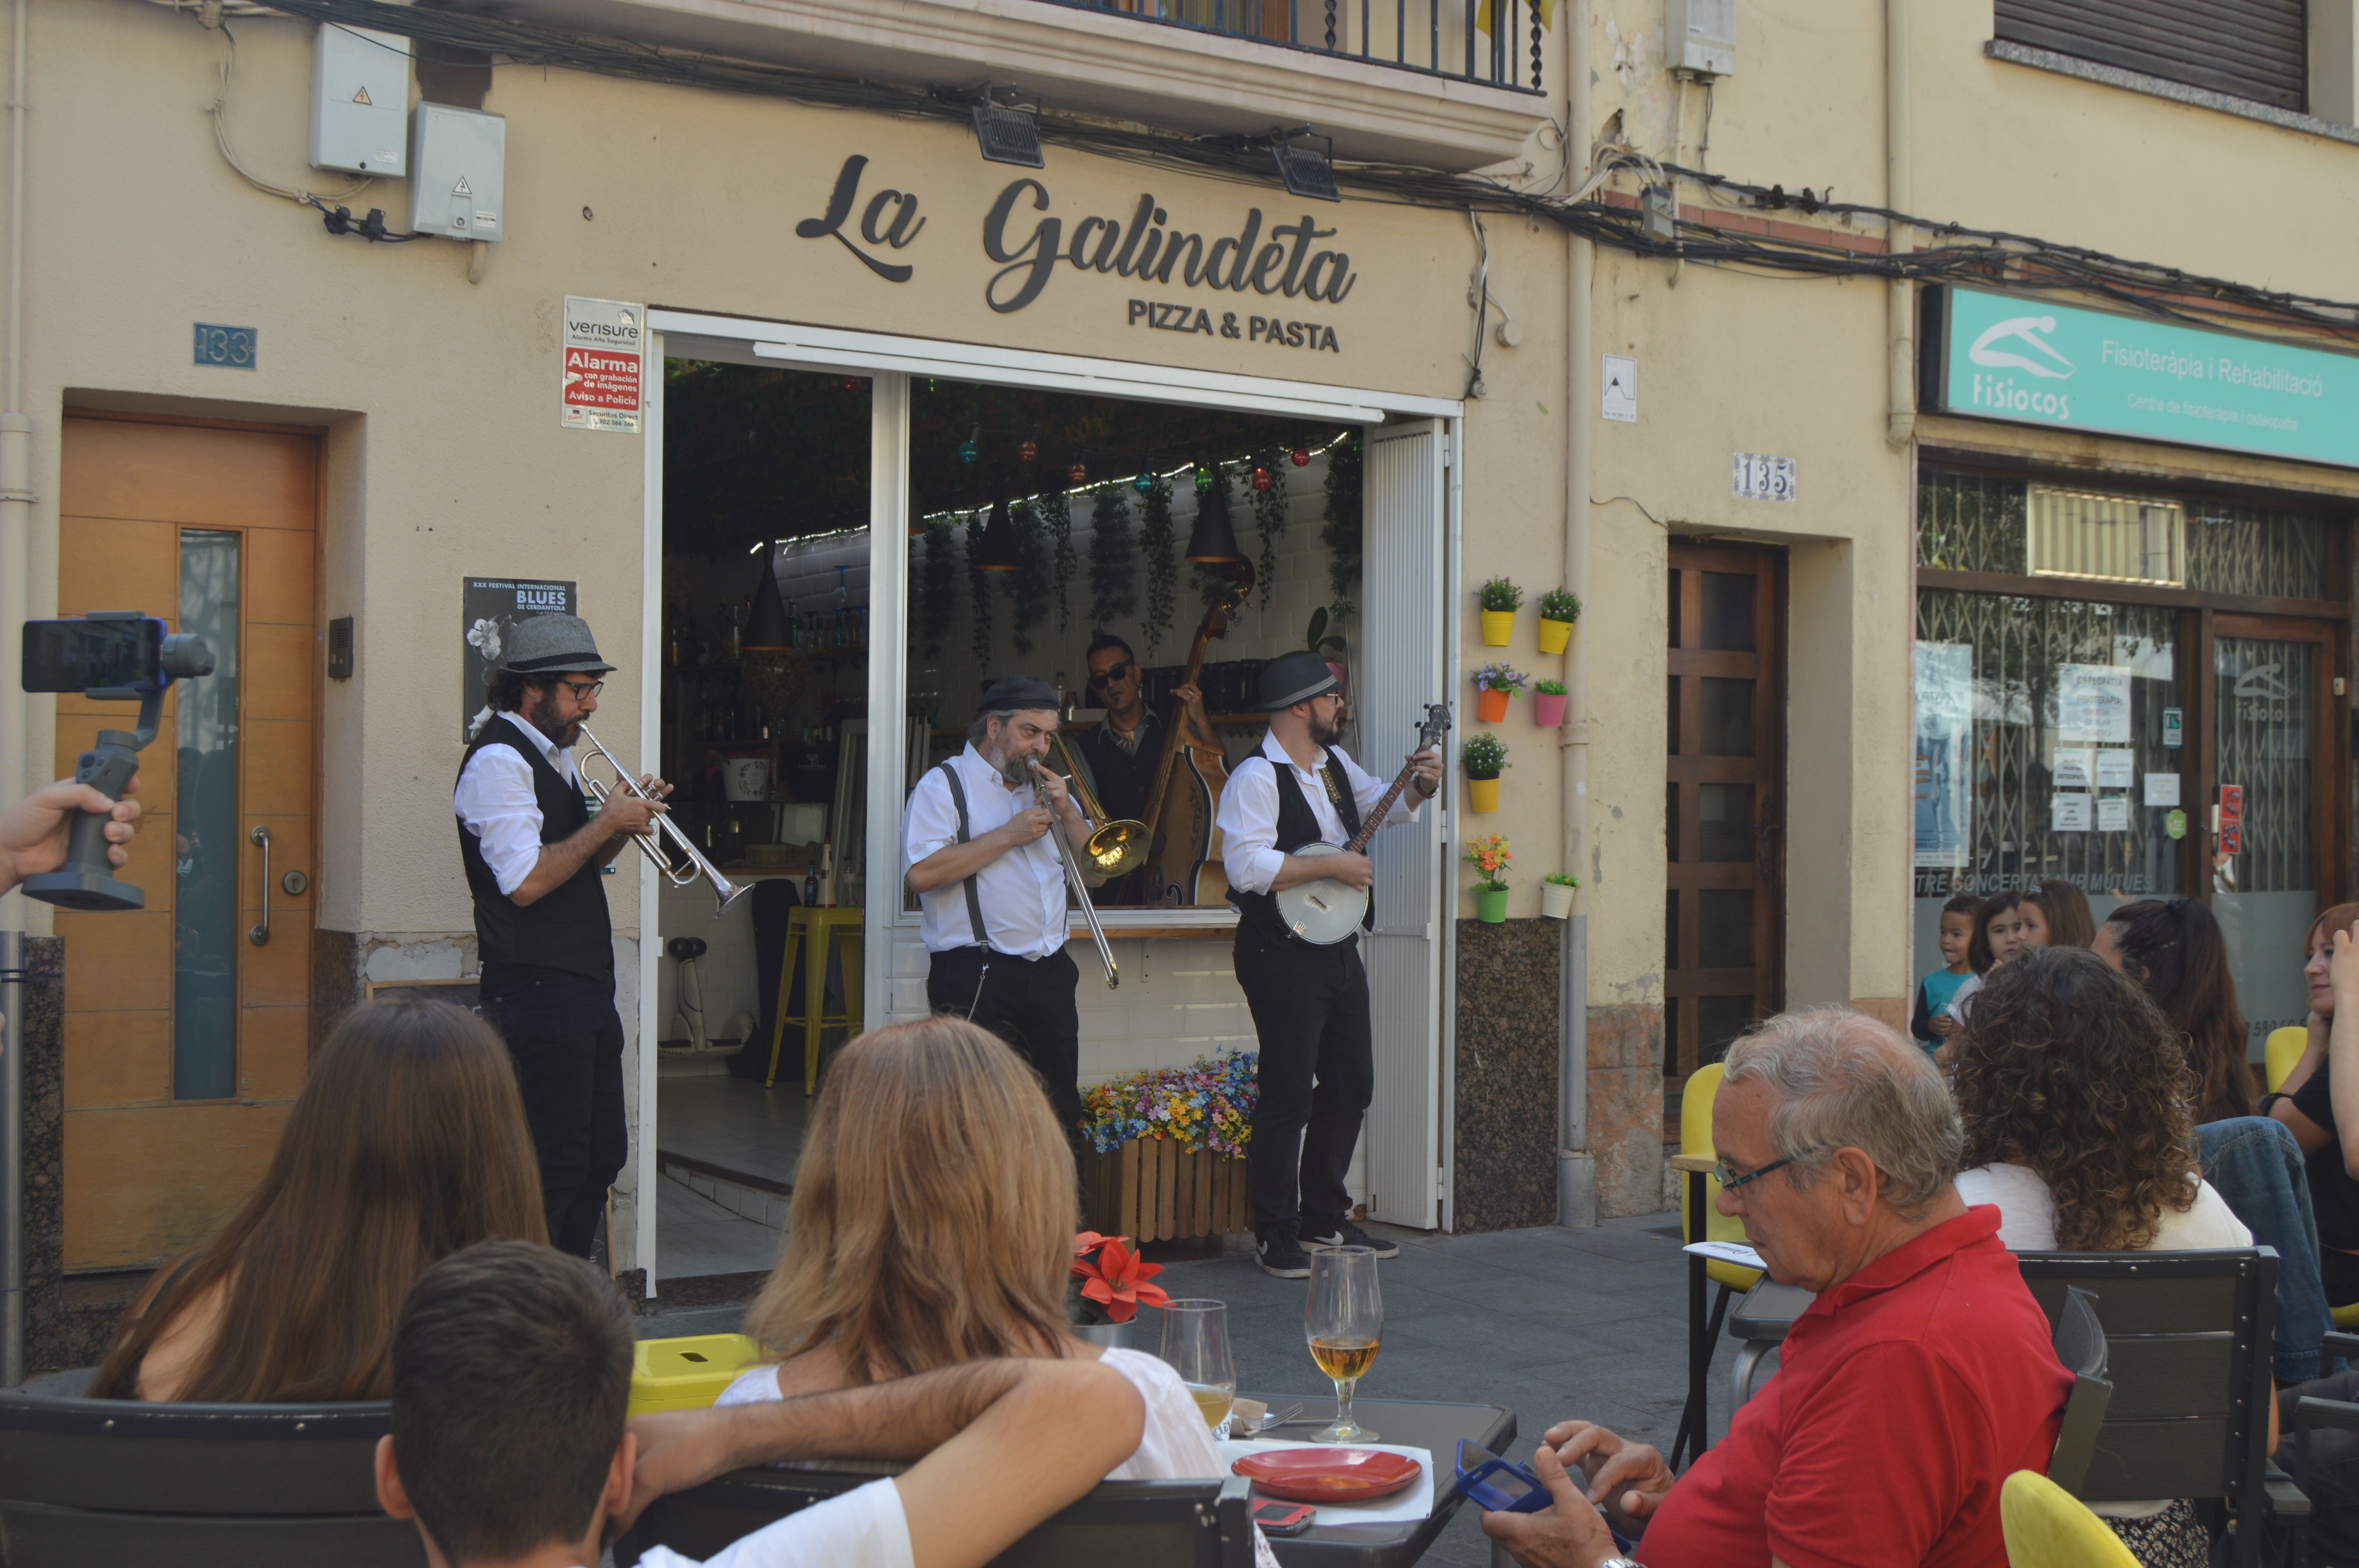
{"x":972,"y":447}
{"x":1303,"y":456}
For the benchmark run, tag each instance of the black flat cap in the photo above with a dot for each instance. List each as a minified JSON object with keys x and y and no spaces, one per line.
{"x":1012,"y":692}
{"x":1291,"y":678}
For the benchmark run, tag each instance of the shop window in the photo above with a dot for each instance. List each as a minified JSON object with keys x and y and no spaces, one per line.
{"x":1970,"y":522}
{"x":2258,"y":550}
{"x":2108,"y":538}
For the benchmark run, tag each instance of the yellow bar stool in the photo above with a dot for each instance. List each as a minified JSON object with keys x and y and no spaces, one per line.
{"x":817,"y":934}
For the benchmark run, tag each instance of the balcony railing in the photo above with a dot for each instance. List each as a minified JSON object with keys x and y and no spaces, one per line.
{"x":1495,"y":42}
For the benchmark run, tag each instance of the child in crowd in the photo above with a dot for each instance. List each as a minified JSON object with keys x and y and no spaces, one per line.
{"x":512,"y":1376}
{"x":1932,"y":1022}
{"x":2000,"y":928}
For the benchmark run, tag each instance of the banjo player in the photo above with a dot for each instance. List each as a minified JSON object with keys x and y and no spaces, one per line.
{"x":1309,"y":1002}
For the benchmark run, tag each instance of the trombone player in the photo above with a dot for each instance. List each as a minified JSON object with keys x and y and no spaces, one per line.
{"x":991,"y":887}
{"x":534,"y":852}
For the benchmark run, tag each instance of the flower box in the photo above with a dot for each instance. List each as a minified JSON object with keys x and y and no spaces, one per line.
{"x":1153,"y":1190}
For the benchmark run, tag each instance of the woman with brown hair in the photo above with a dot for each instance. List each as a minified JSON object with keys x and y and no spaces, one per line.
{"x":932,"y":1223}
{"x":407,"y":1143}
{"x":2173,"y":948}
{"x":2316,"y":1102}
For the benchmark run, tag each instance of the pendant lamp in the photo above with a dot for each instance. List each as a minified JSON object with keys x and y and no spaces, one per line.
{"x":774,"y":670}
{"x":997,"y":552}
{"x":1213,"y":539}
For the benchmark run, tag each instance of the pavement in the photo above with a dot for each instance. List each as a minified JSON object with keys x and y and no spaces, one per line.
{"x":1553,"y":1323}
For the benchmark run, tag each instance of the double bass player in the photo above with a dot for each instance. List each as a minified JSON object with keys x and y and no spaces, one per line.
{"x":1123,"y":752}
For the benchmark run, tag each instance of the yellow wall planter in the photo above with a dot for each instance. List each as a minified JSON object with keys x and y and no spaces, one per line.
{"x":1498,"y":627}
{"x":1482,"y":795}
{"x":1554,"y":635}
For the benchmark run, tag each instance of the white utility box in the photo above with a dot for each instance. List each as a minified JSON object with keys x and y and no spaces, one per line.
{"x":456,"y":157}
{"x":360,"y":100}
{"x":1700,"y":37}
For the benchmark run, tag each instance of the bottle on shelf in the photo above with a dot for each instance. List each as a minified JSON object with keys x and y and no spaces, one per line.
{"x":827,"y":868}
{"x":810,"y":884}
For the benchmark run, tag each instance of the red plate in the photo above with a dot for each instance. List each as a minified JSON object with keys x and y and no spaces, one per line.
{"x":1328,"y":1475}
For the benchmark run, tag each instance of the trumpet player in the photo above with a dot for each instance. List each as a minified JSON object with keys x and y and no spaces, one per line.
{"x":534,"y":852}
{"x":990,"y":886}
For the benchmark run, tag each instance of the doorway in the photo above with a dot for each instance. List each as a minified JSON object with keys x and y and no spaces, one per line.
{"x":188,"y":1023}
{"x":1723,"y":812}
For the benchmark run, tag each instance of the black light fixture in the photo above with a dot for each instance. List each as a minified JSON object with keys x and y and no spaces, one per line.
{"x":1213,"y":539}
{"x":996,"y":552}
{"x":1306,"y":173}
{"x":1007,"y":135}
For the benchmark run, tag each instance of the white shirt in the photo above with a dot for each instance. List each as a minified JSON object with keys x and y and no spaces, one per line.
{"x":1175,"y":1445}
{"x":2027,"y":1213}
{"x":864,"y":1528}
{"x":1963,"y":995}
{"x":1022,"y":890}
{"x":1249,"y":818}
{"x":496,"y":800}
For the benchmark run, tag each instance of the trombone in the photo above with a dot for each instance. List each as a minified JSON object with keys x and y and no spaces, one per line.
{"x":669,"y":847}
{"x":1080,"y":888}
{"x":1117,"y":848}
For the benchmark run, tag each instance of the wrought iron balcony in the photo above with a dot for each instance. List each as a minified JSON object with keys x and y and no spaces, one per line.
{"x":1493,"y":42}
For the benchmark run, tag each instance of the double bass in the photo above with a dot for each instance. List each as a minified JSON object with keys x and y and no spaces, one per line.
{"x":1184,"y":867}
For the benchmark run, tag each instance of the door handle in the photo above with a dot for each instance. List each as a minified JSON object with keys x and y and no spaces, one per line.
{"x":259,"y":935}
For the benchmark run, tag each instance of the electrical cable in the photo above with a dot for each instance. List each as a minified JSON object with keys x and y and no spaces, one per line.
{"x":212,"y":18}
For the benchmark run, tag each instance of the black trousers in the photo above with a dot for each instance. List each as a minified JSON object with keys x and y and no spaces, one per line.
{"x":2333,"y":1471}
{"x":566,"y":1040}
{"x":1318,"y":1072}
{"x":1028,"y":1002}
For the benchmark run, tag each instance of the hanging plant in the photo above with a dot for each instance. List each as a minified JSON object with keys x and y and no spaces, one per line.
{"x":1028,"y":588}
{"x":938,"y":586}
{"x":978,"y":585}
{"x":1341,"y":531}
{"x":1162,"y":572}
{"x":1057,"y":515}
{"x":1113,"y":558}
{"x":1270,"y":517}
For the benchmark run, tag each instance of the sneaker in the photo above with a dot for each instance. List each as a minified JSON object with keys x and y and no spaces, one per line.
{"x":1280,"y":1254}
{"x":1343,"y":1233}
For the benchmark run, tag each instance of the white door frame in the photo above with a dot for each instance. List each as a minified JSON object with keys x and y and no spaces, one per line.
{"x":890,"y":361}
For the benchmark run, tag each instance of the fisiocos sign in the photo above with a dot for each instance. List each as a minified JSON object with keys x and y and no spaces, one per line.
{"x":1278,"y":262}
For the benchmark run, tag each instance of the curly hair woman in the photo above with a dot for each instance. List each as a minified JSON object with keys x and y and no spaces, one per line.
{"x":2076,"y":1096}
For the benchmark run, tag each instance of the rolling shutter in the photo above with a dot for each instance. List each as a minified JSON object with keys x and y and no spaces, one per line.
{"x":2247,"y":49}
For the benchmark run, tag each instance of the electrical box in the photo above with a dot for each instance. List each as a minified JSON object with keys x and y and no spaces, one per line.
{"x":456,"y":159}
{"x":360,"y":100}
{"x":1700,"y":37}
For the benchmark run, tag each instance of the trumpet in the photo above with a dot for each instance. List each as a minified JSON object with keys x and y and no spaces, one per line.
{"x":1117,"y":848}
{"x":669,"y":846}
{"x":1080,"y":888}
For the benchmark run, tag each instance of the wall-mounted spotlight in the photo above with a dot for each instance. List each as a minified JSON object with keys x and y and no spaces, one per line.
{"x":1306,"y":173}
{"x":1009,"y":134}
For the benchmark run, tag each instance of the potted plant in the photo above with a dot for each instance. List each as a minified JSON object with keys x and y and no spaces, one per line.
{"x":1490,"y":857}
{"x":1483,"y":756}
{"x":1548,"y":703}
{"x":1107,"y":1287}
{"x":1500,"y":600}
{"x":1497,"y":683}
{"x":1560,"y":607}
{"x":1166,"y":1155}
{"x":1556,"y":894}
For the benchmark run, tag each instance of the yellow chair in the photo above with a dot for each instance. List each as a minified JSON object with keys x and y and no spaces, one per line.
{"x":2047,"y":1527}
{"x":1700,"y":1220}
{"x":2284,"y":1049}
{"x":689,"y":1373}
{"x":818,"y":934}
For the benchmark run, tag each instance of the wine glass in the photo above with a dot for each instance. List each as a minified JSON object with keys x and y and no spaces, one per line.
{"x":1196,"y":1345}
{"x":1345,"y":1325}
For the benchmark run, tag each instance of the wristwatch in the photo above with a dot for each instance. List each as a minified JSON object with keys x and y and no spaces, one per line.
{"x":1619,"y":1562}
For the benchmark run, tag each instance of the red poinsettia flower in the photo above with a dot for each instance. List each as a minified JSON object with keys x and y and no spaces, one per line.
{"x":1116,"y":1280}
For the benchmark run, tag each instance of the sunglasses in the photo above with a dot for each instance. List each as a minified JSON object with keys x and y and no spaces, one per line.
{"x":1119,"y":672}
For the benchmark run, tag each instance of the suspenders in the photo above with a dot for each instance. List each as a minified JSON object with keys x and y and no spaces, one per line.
{"x":974,"y":902}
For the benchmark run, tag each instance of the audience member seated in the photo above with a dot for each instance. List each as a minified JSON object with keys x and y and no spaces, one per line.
{"x":932,"y":1223}
{"x":2319,"y":1102}
{"x":407,"y":1143}
{"x":512,"y":1374}
{"x":1919,"y":1380}
{"x":2174,"y":950}
{"x":2075,"y":1095}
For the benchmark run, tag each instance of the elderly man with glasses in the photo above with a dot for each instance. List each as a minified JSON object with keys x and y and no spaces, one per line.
{"x":1917,"y":1381}
{"x":535,"y":855}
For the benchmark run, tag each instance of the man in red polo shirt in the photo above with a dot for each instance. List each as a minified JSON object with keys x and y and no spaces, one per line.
{"x":1921,"y":1378}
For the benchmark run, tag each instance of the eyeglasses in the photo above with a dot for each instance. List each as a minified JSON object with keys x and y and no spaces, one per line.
{"x":1122,"y":671}
{"x":1730,"y":1180}
{"x":584,"y":689}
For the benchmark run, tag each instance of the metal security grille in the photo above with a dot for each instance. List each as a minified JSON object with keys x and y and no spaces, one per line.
{"x":2247,"y":49}
{"x":2267,"y":694}
{"x":1970,"y":522}
{"x":2010,"y":666}
{"x":2109,"y":538}
{"x":2252,"y":549}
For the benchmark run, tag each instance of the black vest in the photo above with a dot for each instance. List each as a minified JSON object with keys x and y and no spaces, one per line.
{"x":565,"y":929}
{"x":1123,"y":778}
{"x":1297,"y":825}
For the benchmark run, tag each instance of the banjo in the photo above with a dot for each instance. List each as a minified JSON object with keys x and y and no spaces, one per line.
{"x":1327,"y":912}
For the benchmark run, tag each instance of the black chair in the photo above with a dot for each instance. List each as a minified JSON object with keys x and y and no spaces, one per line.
{"x":118,"y":1482}
{"x":2188,"y":1339}
{"x":2080,"y":1345}
{"x":1136,"y":1524}
{"x":2312,"y":1414}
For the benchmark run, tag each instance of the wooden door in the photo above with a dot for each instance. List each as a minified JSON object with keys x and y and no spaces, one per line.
{"x":185,"y":1036}
{"x":1724,"y":814}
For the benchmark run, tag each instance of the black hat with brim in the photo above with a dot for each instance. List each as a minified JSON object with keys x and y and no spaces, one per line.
{"x":1291,"y":678}
{"x":1012,"y":693}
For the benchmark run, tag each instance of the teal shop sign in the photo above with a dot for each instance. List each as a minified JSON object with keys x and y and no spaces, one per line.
{"x":2034,"y":362}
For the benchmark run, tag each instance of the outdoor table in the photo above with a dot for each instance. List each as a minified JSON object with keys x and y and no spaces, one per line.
{"x":1413,"y":1424}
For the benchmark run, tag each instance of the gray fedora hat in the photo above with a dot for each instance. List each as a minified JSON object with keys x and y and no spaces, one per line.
{"x":553,"y":645}
{"x":1291,"y":678}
